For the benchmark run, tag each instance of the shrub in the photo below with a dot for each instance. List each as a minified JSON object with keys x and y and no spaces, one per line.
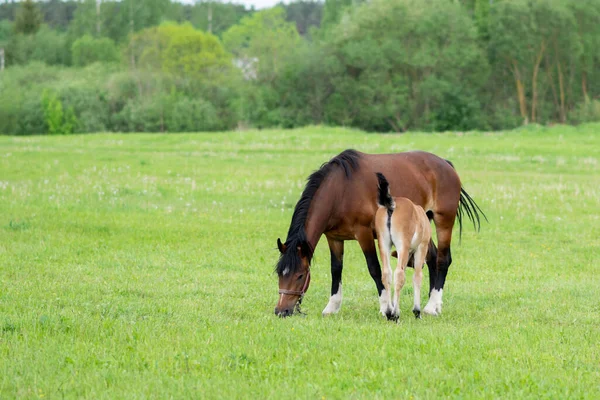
{"x":588,"y":111}
{"x":87,"y":50}
{"x":57,"y":121}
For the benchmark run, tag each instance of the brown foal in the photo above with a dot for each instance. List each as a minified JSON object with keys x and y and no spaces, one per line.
{"x":401,"y":223}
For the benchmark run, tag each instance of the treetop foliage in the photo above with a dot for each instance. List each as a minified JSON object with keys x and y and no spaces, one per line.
{"x":380,"y":65}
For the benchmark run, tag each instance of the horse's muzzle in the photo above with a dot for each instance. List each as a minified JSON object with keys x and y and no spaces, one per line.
{"x":285,"y":312}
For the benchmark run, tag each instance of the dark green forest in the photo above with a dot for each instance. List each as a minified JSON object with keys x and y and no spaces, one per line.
{"x":378,"y":65}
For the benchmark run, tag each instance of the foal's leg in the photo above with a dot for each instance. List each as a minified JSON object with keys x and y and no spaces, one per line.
{"x":400,"y":277}
{"x":367,"y":244}
{"x":444,"y":224}
{"x":336,"y":247}
{"x":385,"y":300}
{"x":418,"y":278}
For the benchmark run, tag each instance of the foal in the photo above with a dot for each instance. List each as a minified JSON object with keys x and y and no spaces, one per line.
{"x":400,"y":222}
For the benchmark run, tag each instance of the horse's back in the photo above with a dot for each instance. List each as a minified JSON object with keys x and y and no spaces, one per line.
{"x":424,"y":178}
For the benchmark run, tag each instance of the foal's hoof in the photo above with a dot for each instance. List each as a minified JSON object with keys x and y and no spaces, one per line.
{"x":417,"y":313}
{"x":392,"y":317}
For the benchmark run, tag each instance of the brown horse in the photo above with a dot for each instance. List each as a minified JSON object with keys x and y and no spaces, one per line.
{"x":339,"y":200}
{"x":401,"y":223}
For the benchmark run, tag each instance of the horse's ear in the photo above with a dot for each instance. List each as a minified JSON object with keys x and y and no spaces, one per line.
{"x":281,"y":246}
{"x":303,"y":249}
{"x":395,"y":254}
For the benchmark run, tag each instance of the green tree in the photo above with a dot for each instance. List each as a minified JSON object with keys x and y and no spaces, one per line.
{"x":262,"y":44}
{"x":189,"y":62}
{"x":46,"y":45}
{"x":304,"y":14}
{"x":57,"y":121}
{"x":216,"y":17}
{"x":117,"y":19}
{"x":6,"y":31}
{"x":87,"y":50}
{"x":180,"y":50}
{"x":535,"y":42}
{"x":587,"y":15}
{"x":333,"y":11}
{"x":407,"y":64}
{"x":28,"y":19}
{"x":265,"y":38}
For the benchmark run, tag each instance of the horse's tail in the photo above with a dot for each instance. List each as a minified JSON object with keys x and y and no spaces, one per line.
{"x":384,"y":198}
{"x":468,"y":207}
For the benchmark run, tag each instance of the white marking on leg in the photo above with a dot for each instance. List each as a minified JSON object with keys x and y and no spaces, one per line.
{"x":335,"y":303}
{"x":432,"y":305}
{"x":385,"y":246}
{"x":384,"y":302}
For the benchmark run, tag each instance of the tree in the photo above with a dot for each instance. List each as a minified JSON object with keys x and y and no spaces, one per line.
{"x":530,"y":38}
{"x":333,"y":11}
{"x":180,"y":50}
{"x":88,"y":49}
{"x":407,"y":64}
{"x":265,"y":36}
{"x":28,"y":19}
{"x":216,"y":17}
{"x":46,"y":45}
{"x":6,"y":31}
{"x":305,"y":14}
{"x":587,"y":15}
{"x":262,"y":45}
{"x":117,"y":19}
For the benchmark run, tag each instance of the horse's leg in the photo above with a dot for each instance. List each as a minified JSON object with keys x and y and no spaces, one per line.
{"x":367,"y":244}
{"x":385,"y":300}
{"x":443,"y":224}
{"x":400,"y":278}
{"x":418,"y":278}
{"x":432,"y":264}
{"x":336,"y":247}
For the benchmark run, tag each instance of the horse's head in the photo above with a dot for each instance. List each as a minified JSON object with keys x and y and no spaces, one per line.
{"x":293,"y":269}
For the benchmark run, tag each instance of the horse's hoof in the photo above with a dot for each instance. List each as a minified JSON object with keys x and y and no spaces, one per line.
{"x":430,"y":311}
{"x":417,"y":313}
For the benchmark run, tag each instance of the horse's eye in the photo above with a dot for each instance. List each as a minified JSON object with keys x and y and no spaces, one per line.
{"x":300,"y":276}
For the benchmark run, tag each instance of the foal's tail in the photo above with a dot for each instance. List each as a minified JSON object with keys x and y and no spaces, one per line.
{"x":384,"y":198}
{"x":468,"y":207}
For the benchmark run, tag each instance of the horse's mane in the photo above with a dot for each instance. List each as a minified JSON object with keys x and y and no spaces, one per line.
{"x":348,"y":162}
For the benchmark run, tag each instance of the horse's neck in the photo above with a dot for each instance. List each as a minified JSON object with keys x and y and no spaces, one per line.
{"x":319,"y":213}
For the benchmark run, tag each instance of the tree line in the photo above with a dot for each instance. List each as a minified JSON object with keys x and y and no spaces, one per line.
{"x":378,"y":65}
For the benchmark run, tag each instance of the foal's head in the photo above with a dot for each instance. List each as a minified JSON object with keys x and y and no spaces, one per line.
{"x":293,"y":269}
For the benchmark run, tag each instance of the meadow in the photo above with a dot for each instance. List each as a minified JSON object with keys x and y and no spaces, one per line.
{"x":142,"y":266}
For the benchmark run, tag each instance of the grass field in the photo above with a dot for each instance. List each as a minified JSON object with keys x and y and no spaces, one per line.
{"x":141,"y":266}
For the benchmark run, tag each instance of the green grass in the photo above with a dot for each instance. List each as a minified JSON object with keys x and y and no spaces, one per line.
{"x":141,"y":266}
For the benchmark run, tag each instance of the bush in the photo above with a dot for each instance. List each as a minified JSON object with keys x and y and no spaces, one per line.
{"x":192,"y":115}
{"x":87,"y":50}
{"x":588,"y":111}
{"x":57,"y":121}
{"x":47,"y":46}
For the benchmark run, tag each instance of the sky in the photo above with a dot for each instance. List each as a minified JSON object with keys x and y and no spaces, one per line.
{"x":258,"y":4}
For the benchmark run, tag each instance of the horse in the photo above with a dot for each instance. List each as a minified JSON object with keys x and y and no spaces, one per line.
{"x":400,"y":222}
{"x":339,"y":201}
